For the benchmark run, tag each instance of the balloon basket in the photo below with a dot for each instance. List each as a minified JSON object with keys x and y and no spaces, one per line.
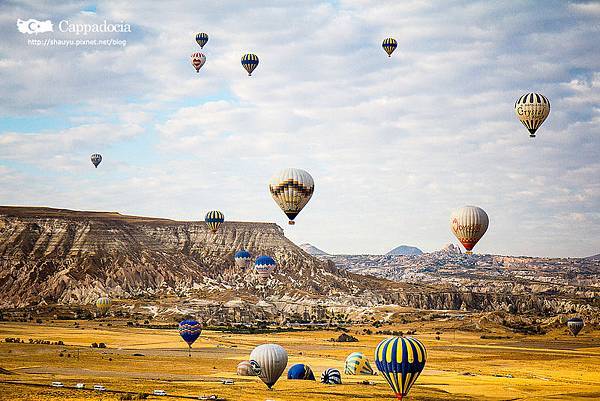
{"x":291,"y":222}
{"x":469,"y":252}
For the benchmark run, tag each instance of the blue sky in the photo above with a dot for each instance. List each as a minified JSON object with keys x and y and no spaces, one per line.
{"x":394,"y":144}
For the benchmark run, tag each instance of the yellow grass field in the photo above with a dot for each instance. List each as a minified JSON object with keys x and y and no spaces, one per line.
{"x":460,"y":365}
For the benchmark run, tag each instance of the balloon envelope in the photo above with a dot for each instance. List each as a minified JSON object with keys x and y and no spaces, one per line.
{"x":198,"y":60}
{"x":245,"y":368}
{"x":264,"y":266}
{"x":201,"y":39}
{"x":357,"y":364}
{"x":389,"y":45}
{"x":300,"y":371}
{"x":242,"y":259}
{"x":272,"y":359}
{"x":249,"y":62}
{"x":400,"y":360}
{"x":468,"y":224}
{"x":575,"y":325}
{"x":532,"y":109}
{"x":331,"y":376}
{"x":291,"y":189}
{"x":214,"y":219}
{"x":103,"y":304}
{"x":189,"y":330}
{"x":96,"y":159}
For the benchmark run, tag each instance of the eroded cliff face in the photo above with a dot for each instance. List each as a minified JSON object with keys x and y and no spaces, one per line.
{"x":52,"y":256}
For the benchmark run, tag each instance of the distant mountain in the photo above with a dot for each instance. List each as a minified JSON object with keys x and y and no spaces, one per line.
{"x":405,"y":250}
{"x":312,"y":250}
{"x":595,"y":257}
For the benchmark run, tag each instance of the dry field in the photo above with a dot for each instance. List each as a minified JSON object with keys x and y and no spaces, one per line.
{"x":461,"y":365}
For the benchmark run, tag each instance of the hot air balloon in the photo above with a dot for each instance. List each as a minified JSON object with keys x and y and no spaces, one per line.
{"x":264,"y":267}
{"x":214,"y":219}
{"x":272,"y":359}
{"x":201,"y":39}
{"x":400,"y":360}
{"x":249,"y":62}
{"x":242,"y":259}
{"x":357,"y":364}
{"x":96,"y":159}
{"x":469,"y":223}
{"x":190,"y":330}
{"x":331,"y":376}
{"x":103,"y":305}
{"x":291,"y":189}
{"x":389,"y":45}
{"x":532,"y":109}
{"x":575,"y":325}
{"x":198,"y":60}
{"x":300,"y":371}
{"x":245,"y":368}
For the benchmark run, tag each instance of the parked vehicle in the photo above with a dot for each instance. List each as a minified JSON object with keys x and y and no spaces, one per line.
{"x":99,"y":387}
{"x":80,"y":385}
{"x":160,"y":392}
{"x":57,"y":384}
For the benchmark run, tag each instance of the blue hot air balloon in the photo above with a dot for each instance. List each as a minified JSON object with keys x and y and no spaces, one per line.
{"x":242,"y":259}
{"x":249,"y":62}
{"x":201,"y":39}
{"x":190,"y":330}
{"x":264,"y":267}
{"x":400,"y":360}
{"x":300,"y":371}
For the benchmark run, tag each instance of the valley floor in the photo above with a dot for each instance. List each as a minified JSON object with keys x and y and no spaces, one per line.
{"x":460,"y":365}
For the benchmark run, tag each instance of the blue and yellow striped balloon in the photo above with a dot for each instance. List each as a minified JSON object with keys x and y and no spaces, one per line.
{"x":389,"y":45}
{"x":400,"y":360}
{"x":357,"y":364}
{"x":214,"y":219}
{"x":249,"y":62}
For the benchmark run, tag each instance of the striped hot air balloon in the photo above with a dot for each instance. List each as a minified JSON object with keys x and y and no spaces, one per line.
{"x":245,"y":368}
{"x":331,"y":376}
{"x":214,"y":219}
{"x":103,"y":305}
{"x":272,"y":359}
{"x":198,"y":60}
{"x":389,"y":45}
{"x":249,"y":62}
{"x":264,"y":266}
{"x":189,"y":330}
{"x":300,"y":371}
{"x":242,"y":259}
{"x":201,"y":39}
{"x":400,"y":360}
{"x":291,"y":189}
{"x":357,"y":364}
{"x":468,"y":224}
{"x":532,"y":109}
{"x":575,"y":325}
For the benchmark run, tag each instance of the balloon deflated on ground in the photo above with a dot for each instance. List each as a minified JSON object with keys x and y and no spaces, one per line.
{"x":331,"y":376}
{"x":300,"y":371}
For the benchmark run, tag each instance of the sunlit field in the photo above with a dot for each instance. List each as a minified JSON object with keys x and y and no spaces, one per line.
{"x":460,"y":364}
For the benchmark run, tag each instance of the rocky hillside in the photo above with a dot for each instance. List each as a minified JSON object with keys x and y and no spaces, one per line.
{"x":69,"y":258}
{"x":312,"y":250}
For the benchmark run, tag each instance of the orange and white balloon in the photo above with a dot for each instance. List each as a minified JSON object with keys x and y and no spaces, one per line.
{"x":468,"y":224}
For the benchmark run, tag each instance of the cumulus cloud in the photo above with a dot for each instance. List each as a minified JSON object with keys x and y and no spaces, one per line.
{"x":394,"y":144}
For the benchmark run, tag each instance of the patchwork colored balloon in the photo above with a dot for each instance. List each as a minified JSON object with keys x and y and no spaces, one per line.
{"x":214,"y":219}
{"x":389,"y":45}
{"x":96,"y":159}
{"x":291,"y":189}
{"x":250,"y":62}
{"x":198,"y":60}
{"x":575,"y":325}
{"x":357,"y":364}
{"x":532,"y":109}
{"x":300,"y":371}
{"x":272,"y":359}
{"x":468,"y":224}
{"x":190,"y":330}
{"x":331,"y":376}
{"x":201,"y":39}
{"x":400,"y":360}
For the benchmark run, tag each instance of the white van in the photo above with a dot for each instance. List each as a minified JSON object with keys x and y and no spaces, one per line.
{"x":99,"y":387}
{"x":57,"y":384}
{"x":159,"y":392}
{"x":80,"y":385}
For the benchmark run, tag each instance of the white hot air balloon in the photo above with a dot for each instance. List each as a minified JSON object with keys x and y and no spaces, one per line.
{"x":532,"y":109}
{"x":291,"y":189}
{"x":272,"y":360}
{"x":468,"y":224}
